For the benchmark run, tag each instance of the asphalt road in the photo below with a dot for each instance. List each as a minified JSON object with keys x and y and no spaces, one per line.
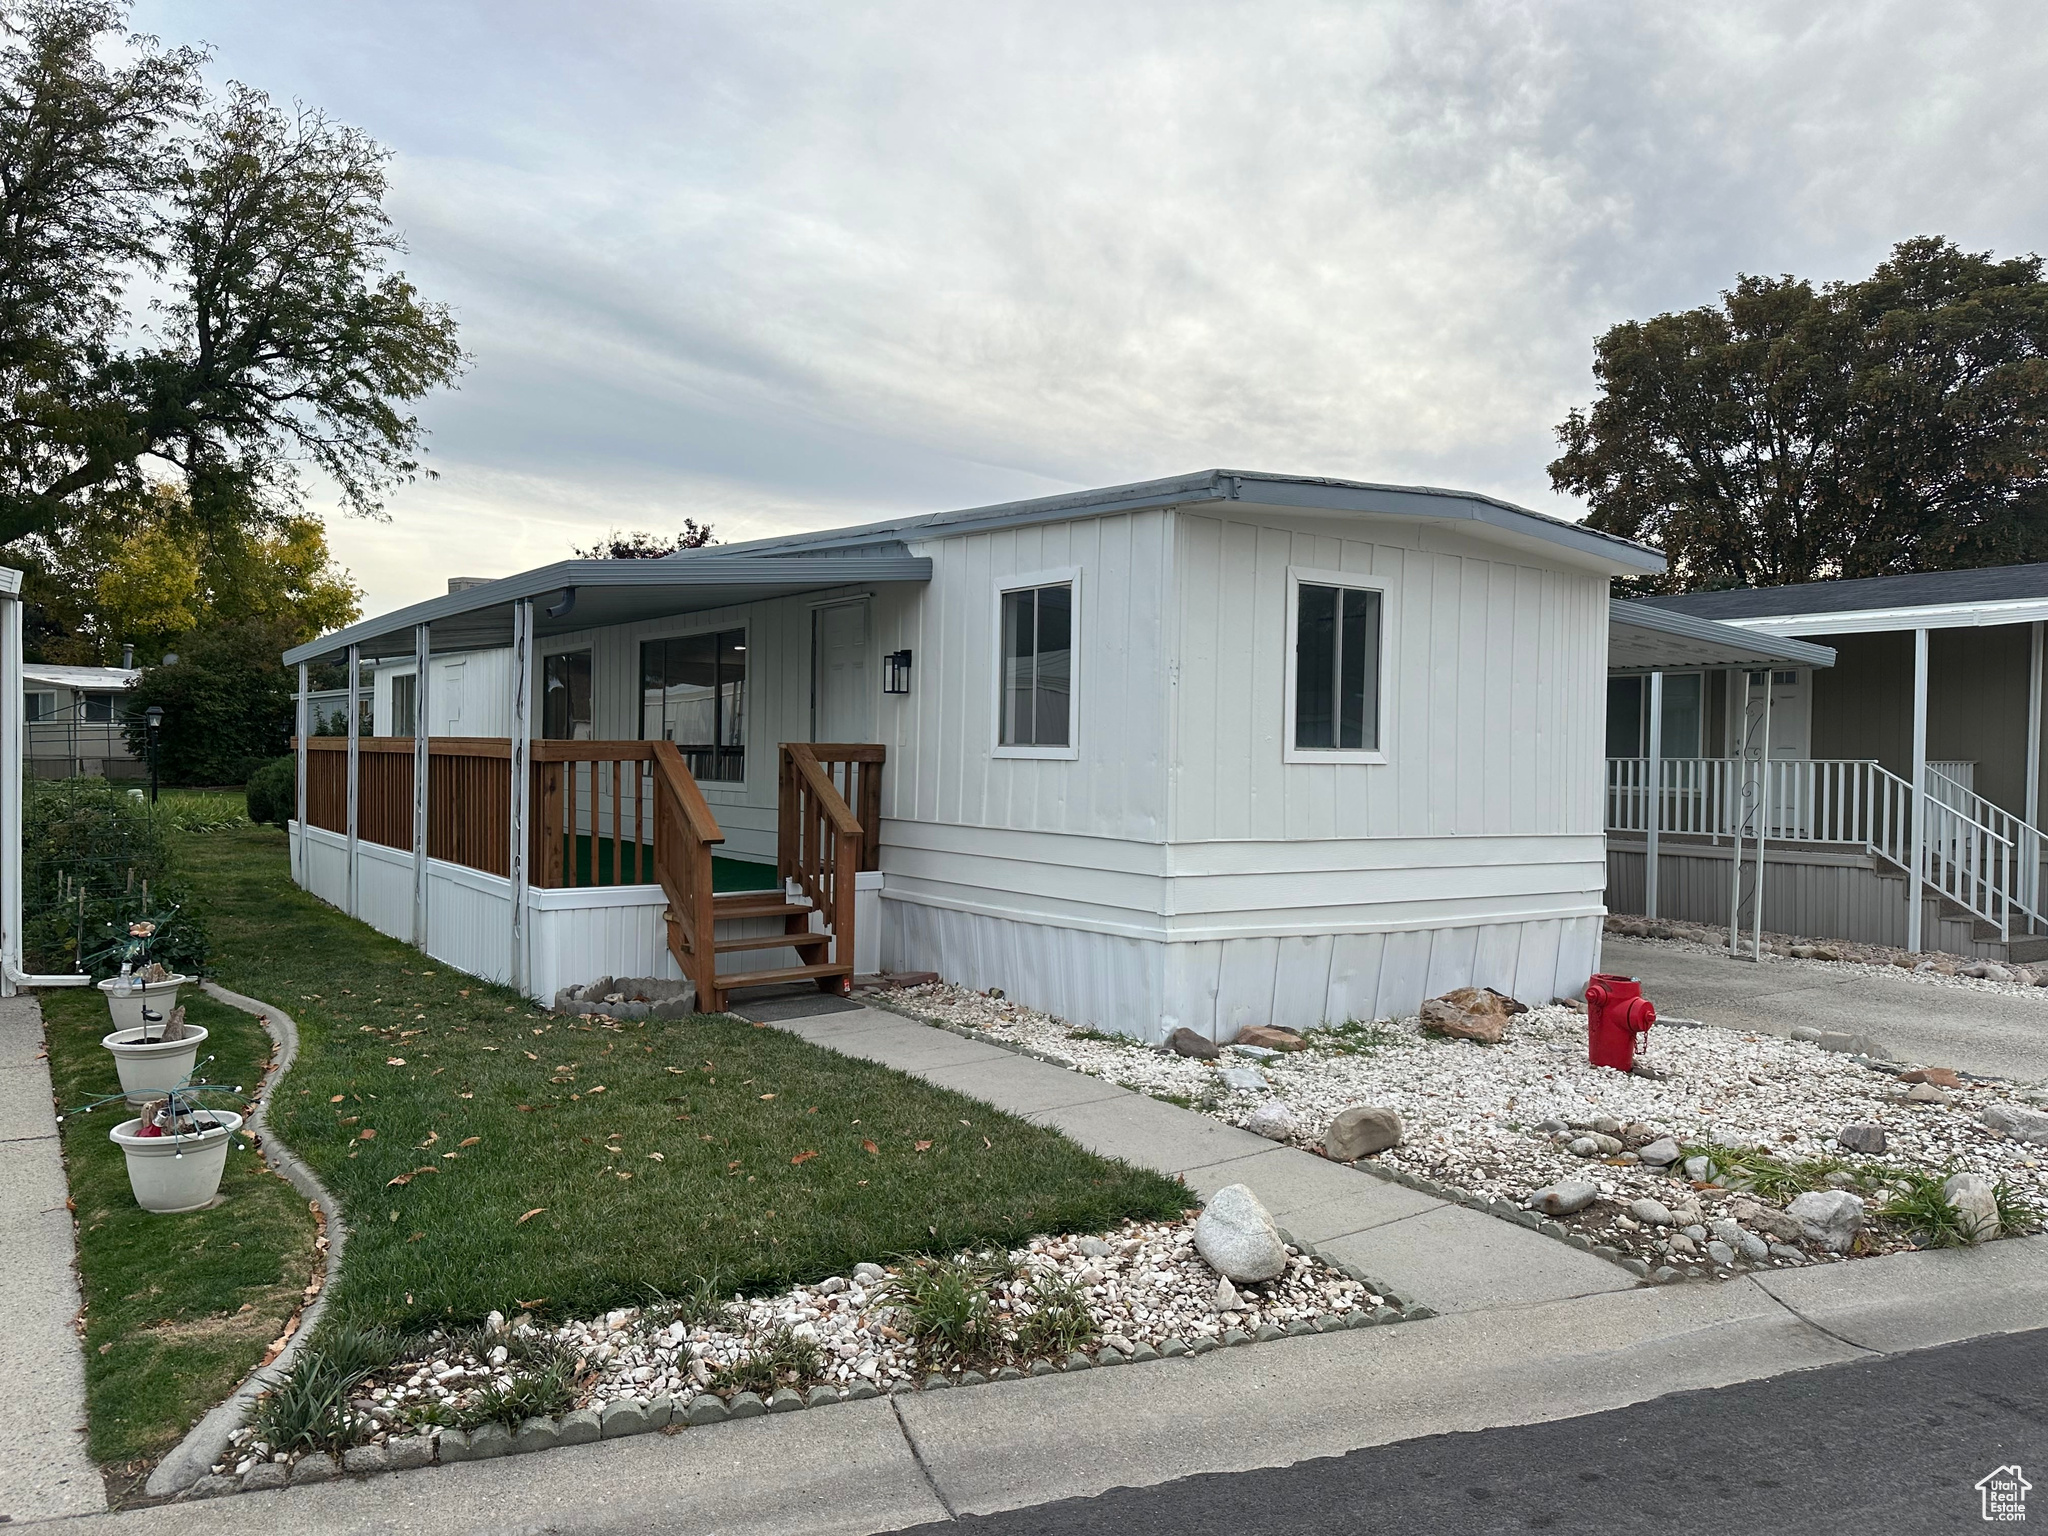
{"x":1893,"y":1445}
{"x":1987,"y":1032}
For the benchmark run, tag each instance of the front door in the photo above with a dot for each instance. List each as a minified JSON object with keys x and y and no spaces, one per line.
{"x":1791,"y":712}
{"x":842,"y":698}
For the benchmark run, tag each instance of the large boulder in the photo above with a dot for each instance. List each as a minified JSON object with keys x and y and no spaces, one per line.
{"x":1271,"y":1037}
{"x":1829,"y":1218}
{"x":1185,"y":1042}
{"x":1867,"y":1139}
{"x":1470,"y":1013}
{"x":1563,"y":1199}
{"x":1236,"y":1236}
{"x":1661,"y":1153}
{"x":1272,"y":1120}
{"x":1362,"y":1130}
{"x":1975,"y":1202}
{"x":2020,"y":1124}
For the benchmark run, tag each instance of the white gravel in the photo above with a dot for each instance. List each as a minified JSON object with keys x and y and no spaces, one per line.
{"x":1492,"y":1119}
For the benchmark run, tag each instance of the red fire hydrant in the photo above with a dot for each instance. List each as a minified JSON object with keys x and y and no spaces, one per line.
{"x":1616,"y":1012}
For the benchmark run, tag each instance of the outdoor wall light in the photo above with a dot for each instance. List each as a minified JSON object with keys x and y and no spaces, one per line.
{"x":896,"y":672}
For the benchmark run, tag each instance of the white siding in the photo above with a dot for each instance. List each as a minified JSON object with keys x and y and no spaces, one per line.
{"x":468,"y":694}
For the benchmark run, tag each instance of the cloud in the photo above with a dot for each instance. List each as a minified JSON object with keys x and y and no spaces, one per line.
{"x":784,"y":265}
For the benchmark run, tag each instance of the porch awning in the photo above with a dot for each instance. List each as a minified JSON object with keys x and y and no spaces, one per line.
{"x":591,"y":594}
{"x":1641,"y":639}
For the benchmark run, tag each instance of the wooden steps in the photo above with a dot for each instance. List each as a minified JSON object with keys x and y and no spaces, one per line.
{"x":772,"y":941}
{"x":788,"y":973}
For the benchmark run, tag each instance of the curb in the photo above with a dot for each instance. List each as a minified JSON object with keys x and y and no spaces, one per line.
{"x":193,"y":1458}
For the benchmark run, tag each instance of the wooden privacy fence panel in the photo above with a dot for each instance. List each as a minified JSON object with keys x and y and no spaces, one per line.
{"x":327,"y":783}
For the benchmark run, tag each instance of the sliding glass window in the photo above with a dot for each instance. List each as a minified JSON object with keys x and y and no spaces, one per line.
{"x":693,"y":692}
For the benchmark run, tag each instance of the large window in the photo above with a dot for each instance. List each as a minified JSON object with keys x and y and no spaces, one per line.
{"x":694,"y":693}
{"x":1338,"y":634}
{"x":1037,"y":700}
{"x":565,"y":696}
{"x":1628,"y":715}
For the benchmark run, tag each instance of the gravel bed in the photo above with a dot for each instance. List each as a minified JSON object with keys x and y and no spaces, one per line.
{"x":1937,"y":970}
{"x":1148,"y":1294}
{"x":1499,"y":1122}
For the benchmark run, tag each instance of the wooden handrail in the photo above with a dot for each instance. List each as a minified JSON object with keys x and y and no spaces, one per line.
{"x":830,"y":802}
{"x":674,"y":774}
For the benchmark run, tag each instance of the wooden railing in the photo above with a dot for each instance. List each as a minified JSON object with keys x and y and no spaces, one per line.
{"x":818,"y":843}
{"x":685,"y":832}
{"x":855,"y":769}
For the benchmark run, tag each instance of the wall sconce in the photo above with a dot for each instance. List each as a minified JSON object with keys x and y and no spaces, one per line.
{"x":896,"y":672}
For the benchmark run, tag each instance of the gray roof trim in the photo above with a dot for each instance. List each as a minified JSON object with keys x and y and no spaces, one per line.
{"x":1867,"y":594}
{"x":1717,"y":644}
{"x":1315,"y":492}
{"x":547,"y":580}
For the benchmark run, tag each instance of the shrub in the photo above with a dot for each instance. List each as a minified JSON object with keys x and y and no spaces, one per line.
{"x":227,"y":703}
{"x":94,"y":861}
{"x":273,"y":792}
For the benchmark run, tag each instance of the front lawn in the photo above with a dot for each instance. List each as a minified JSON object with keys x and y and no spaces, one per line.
{"x":488,"y":1155}
{"x":178,"y":1309}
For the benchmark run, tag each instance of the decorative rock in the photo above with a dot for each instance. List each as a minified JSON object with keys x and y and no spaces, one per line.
{"x":1975,"y":1202}
{"x":1752,"y":1248}
{"x":1092,"y":1248}
{"x":1470,"y":1014}
{"x":1660,"y":1153}
{"x":1143,"y":1354}
{"x":1636,"y":1267}
{"x":1699,"y":1169}
{"x":1941,"y":1077}
{"x":1853,"y":1045}
{"x":785,"y":1400}
{"x":1805,"y":1032}
{"x":1563,"y":1199}
{"x":1273,"y":1037}
{"x":1185,"y":1042}
{"x":1868,"y":1140}
{"x":579,"y":1427}
{"x":1830,"y":1218}
{"x":404,"y":1453}
{"x":1925,"y":1093}
{"x":1226,"y":1298}
{"x":1079,"y":1362}
{"x":1172,"y":1349}
{"x":707,"y":1408}
{"x":870,"y":1274}
{"x":1273,"y":1120}
{"x":266,"y":1475}
{"x":1786,"y":1253}
{"x":537,"y":1434}
{"x":364,"y":1458}
{"x":451,"y":1445}
{"x":2021,"y":1124}
{"x":1236,"y":1236}
{"x":1364,"y":1129}
{"x":1009,"y":1373}
{"x":1256,"y":1052}
{"x":1652,"y":1213}
{"x":746,"y":1405}
{"x":1596,"y":1145}
{"x":1721,"y":1253}
{"x":489,"y":1441}
{"x":1680,"y":1243}
{"x":623,"y":1417}
{"x":1044,"y":1368}
{"x":213,"y":1485}
{"x":1242,"y":1079}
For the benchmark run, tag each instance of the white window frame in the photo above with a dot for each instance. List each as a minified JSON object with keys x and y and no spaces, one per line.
{"x":1067,"y":576}
{"x":1297,"y":577}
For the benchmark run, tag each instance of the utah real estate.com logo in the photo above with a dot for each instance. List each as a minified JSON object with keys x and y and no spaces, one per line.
{"x":2004,"y":1491}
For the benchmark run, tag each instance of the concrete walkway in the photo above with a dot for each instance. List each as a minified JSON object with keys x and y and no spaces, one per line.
{"x":1983,"y":1032}
{"x":44,"y":1471}
{"x":1453,"y":1259}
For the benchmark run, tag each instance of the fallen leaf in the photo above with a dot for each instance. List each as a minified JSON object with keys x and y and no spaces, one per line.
{"x":337,"y":1098}
{"x":403,"y":1178}
{"x":656,"y":1157}
{"x":394,"y":1061}
{"x":530,"y":1056}
{"x":767,"y":1095}
{"x":432,"y":1137}
{"x":924,"y":1146}
{"x":469,"y":1141}
{"x":987,"y":1143}
{"x":598,"y":1089}
{"x":801,"y":1158}
{"x":677,"y":1070}
{"x":871,"y":1149}
{"x":416,"y":1237}
{"x":367,"y":1136}
{"x":524,"y":1109}
{"x":522,"y":1221}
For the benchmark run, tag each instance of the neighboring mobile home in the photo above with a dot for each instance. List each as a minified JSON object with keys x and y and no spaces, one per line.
{"x":1207,"y":751}
{"x":74,"y":717}
{"x":1936,"y":681}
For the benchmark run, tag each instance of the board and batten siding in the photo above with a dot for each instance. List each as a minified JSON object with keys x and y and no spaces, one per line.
{"x":1178,"y":870}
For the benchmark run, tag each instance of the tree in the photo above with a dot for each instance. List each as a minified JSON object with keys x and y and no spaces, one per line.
{"x":146,"y":569}
{"x":281,"y":338}
{"x":228,"y":706}
{"x":1794,"y":433}
{"x":642,"y":545}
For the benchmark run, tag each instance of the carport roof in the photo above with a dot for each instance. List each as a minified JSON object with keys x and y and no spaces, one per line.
{"x":1643,"y":639}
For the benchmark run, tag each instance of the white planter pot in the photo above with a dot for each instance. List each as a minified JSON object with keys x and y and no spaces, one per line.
{"x":152,"y":1068}
{"x":170,"y":1174}
{"x":125,"y":1008}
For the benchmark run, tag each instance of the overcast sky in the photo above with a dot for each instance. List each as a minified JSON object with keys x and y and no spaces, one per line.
{"x":780,"y":267}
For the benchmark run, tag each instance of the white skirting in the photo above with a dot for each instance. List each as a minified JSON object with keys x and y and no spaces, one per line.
{"x":1150,"y":987}
{"x":574,"y":936}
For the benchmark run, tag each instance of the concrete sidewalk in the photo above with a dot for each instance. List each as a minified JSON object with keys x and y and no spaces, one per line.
{"x":44,"y":1471}
{"x":1428,"y":1250}
{"x":890,"y":1463}
{"x":1987,"y":1032}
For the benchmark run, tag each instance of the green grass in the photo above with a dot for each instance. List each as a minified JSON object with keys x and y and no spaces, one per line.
{"x":178,"y":1308}
{"x":599,"y":1164}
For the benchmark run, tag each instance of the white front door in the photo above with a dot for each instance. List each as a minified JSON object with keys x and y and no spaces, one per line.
{"x":842,"y":697}
{"x":1791,"y":722}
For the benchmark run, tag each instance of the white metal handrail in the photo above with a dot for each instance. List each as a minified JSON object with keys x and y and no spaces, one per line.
{"x":1980,"y":856}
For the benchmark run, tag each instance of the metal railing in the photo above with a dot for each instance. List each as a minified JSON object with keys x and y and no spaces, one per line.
{"x":1980,"y":856}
